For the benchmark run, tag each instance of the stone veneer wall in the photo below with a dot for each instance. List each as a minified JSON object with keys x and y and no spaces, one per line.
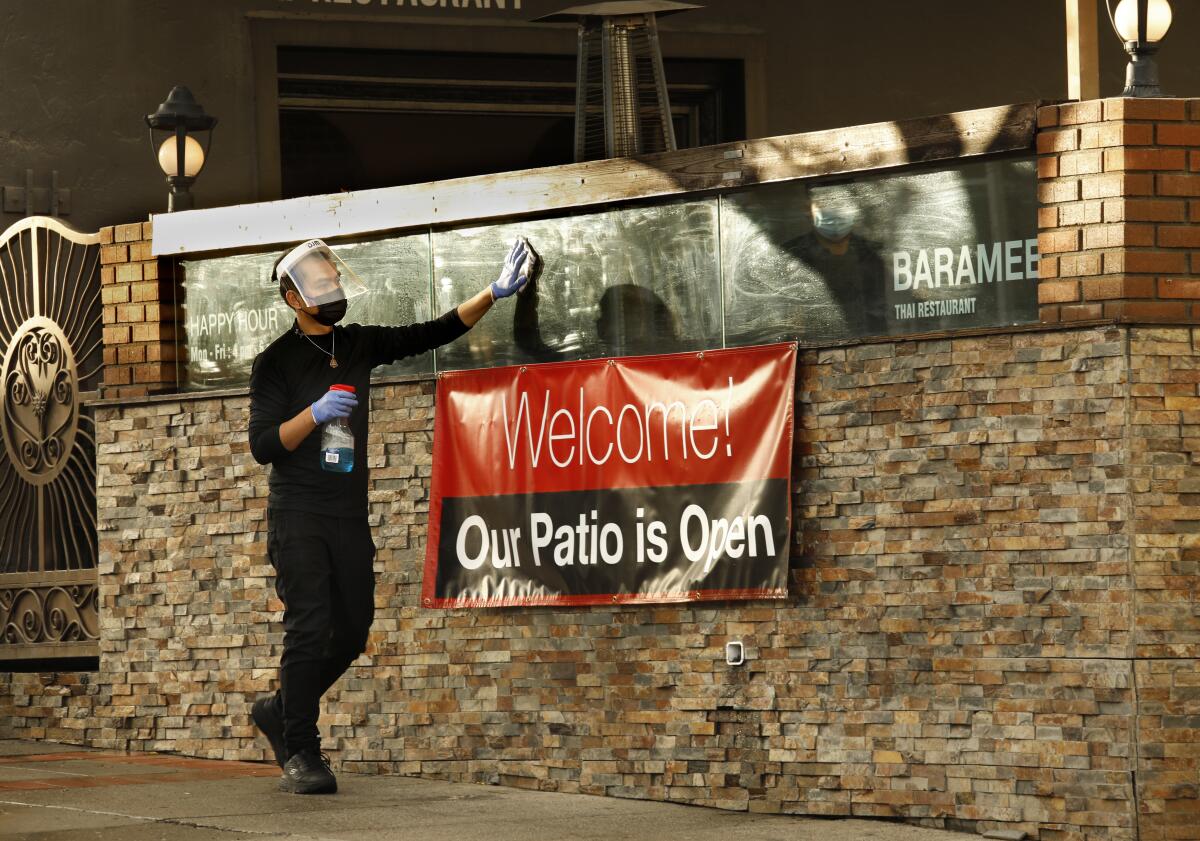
{"x":993,"y":618}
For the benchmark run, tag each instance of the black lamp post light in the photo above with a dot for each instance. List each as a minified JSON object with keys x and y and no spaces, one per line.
{"x":1141,"y":24}
{"x":176,"y":120}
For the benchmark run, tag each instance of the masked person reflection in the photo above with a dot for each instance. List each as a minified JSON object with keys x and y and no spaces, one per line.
{"x":850,"y":266}
{"x":318,"y":539}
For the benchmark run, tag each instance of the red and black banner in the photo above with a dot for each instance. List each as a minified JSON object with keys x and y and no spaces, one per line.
{"x":646,"y":479}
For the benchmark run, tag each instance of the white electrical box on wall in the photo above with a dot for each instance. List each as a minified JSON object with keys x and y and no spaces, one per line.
{"x":735,"y":653}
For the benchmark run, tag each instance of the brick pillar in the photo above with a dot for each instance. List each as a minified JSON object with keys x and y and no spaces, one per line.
{"x":1119,"y":211}
{"x":139,"y":296}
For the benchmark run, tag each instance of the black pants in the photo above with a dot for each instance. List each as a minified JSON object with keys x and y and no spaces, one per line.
{"x":323,"y":574}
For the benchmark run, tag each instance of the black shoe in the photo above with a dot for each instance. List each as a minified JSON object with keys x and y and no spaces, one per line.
{"x":265,"y":719}
{"x":308,"y":773}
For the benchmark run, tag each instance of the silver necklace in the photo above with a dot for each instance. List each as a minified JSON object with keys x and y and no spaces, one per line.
{"x":333,"y":340}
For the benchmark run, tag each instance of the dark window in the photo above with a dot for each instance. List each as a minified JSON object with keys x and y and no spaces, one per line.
{"x":357,"y":119}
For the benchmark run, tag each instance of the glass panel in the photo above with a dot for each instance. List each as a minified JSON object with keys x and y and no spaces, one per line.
{"x":622,"y":282}
{"x":233,"y":310}
{"x":396,"y":272}
{"x":883,"y":254}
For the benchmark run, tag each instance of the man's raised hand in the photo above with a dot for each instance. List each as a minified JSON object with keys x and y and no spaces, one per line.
{"x":521,"y":264}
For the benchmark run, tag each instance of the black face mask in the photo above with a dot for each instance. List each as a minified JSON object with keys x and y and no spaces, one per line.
{"x":331,"y":313}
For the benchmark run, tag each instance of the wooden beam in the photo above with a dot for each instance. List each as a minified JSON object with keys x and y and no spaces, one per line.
{"x":1083,"y":51}
{"x":668,"y":174}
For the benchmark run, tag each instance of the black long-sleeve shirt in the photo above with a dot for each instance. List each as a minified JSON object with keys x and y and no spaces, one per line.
{"x":293,"y":372}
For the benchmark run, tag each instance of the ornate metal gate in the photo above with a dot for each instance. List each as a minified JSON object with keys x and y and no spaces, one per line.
{"x":51,"y":345}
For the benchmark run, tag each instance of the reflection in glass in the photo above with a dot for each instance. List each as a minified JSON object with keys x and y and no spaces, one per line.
{"x":882,"y":253}
{"x":621,"y":282}
{"x":232,"y":308}
{"x":885,"y":254}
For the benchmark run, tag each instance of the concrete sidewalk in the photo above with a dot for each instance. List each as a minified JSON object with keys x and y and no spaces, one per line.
{"x":57,"y":793}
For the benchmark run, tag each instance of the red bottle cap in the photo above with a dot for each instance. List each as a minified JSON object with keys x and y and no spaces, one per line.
{"x":340,"y":387}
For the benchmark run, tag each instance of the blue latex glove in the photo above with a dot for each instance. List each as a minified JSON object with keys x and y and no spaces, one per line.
{"x":334,"y":404}
{"x":518,"y":267}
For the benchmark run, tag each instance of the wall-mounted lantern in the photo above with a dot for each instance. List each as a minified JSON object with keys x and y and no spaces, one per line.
{"x":175,"y":122}
{"x":1141,"y":24}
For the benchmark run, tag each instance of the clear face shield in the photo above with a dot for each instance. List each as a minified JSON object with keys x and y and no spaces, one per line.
{"x":320,"y":275}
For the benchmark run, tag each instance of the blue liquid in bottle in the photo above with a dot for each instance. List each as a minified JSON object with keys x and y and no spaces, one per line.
{"x":337,"y":442}
{"x":338,"y":459}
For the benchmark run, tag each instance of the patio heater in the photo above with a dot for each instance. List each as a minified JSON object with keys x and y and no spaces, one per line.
{"x":621,"y":102}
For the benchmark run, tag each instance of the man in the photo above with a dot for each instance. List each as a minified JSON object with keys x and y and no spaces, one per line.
{"x":849,"y":265}
{"x":318,"y":539}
